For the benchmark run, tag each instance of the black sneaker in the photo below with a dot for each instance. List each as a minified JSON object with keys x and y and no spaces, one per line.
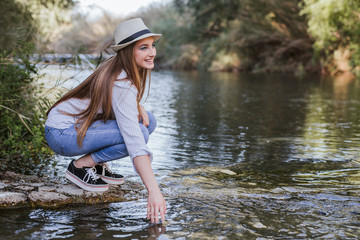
{"x":103,"y":171}
{"x":85,"y":178}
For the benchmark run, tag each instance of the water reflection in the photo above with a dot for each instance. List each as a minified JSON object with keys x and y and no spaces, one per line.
{"x":238,"y":156}
{"x":224,"y":119}
{"x":118,"y":220}
{"x":225,"y":203}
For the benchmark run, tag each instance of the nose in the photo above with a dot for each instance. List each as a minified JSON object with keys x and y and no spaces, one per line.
{"x":153,"y":51}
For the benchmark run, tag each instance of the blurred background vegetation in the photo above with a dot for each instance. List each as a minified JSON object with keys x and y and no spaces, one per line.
{"x":272,"y":36}
{"x":290,"y":36}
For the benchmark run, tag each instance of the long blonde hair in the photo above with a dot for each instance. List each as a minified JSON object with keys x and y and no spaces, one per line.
{"x":98,"y":88}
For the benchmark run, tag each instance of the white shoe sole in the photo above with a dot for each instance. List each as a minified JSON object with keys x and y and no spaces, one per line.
{"x":113,"y":181}
{"x":74,"y":179}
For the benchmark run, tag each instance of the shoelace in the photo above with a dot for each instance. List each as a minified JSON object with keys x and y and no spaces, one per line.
{"x":90,"y":174}
{"x":104,"y":168}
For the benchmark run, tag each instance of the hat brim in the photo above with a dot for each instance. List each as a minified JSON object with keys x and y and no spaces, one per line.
{"x":120,"y":46}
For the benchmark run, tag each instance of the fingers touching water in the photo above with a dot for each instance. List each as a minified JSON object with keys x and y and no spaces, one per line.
{"x":156,"y":207}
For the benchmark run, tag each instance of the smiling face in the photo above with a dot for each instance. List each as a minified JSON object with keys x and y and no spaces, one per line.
{"x":145,"y":53}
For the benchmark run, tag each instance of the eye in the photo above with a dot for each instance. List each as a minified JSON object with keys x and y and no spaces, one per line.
{"x":143,"y":48}
{"x":153,"y":45}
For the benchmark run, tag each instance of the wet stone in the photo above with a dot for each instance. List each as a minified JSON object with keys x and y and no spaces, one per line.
{"x":93,"y":194}
{"x":16,"y":191}
{"x":46,"y":189}
{"x":24,"y":188}
{"x":12,"y":198}
{"x":277,"y":190}
{"x":227,"y":171}
{"x":70,"y":190}
{"x":11,"y":175}
{"x":259,"y":225}
{"x":36,"y":184}
{"x":3,"y":185}
{"x":290,"y":189}
{"x":47,"y":197}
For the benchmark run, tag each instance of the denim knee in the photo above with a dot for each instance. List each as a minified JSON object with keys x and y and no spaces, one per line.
{"x":145,"y":132}
{"x":51,"y":139}
{"x":110,"y":153}
{"x":152,"y":122}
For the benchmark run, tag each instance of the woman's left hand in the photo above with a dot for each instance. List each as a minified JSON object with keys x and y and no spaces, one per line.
{"x":156,"y":206}
{"x":143,"y":116}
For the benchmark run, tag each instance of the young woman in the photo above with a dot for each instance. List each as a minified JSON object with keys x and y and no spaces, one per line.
{"x":102,"y":119}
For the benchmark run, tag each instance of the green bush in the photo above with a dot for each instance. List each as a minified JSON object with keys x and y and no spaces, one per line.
{"x":16,"y":23}
{"x":334,"y":25}
{"x":23,"y":148}
{"x":227,"y":35}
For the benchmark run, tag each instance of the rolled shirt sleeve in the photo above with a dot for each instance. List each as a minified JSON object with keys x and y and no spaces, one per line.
{"x":124,"y":105}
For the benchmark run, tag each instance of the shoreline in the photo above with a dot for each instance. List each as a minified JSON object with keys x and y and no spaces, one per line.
{"x":294,"y":68}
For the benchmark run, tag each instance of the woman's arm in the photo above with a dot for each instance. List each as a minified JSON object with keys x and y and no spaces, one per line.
{"x":127,"y":117}
{"x":126,"y":112}
{"x":156,"y":201}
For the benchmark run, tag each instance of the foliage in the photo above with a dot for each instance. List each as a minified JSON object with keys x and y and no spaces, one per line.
{"x":206,"y":22}
{"x":49,"y":19}
{"x":86,"y":35}
{"x":209,"y":18}
{"x":260,"y":35}
{"x":16,"y":23}
{"x":24,"y":23}
{"x":272,"y":35}
{"x":335,"y":27}
{"x":249,"y":35}
{"x":23,"y":148}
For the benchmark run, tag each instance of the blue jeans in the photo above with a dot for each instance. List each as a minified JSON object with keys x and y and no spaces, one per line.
{"x":102,"y":140}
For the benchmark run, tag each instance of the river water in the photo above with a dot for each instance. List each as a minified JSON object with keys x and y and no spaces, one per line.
{"x":238,"y":157}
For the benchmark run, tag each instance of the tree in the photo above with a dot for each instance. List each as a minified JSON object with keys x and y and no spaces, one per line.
{"x":253,"y":35}
{"x":16,"y":22}
{"x":209,"y":17}
{"x":335,"y":27}
{"x":38,"y":21}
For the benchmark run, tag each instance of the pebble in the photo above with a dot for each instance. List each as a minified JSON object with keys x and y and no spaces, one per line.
{"x":259,"y":225}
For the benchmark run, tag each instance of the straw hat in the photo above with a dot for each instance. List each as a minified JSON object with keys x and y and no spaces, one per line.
{"x":131,"y":31}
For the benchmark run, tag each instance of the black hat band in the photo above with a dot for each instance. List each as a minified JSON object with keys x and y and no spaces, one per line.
{"x":134,"y":36}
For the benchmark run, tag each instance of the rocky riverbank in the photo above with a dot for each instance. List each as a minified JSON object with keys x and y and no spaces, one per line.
{"x":18,"y":190}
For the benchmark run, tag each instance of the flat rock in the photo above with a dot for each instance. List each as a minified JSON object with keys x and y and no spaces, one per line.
{"x":47,"y":189}
{"x":46,"y":197}
{"x":12,"y":198}
{"x":11,"y":175}
{"x":18,"y":190}
{"x":70,"y":189}
{"x":38,"y":184}
{"x":24,"y":188}
{"x":3,"y":185}
{"x":93,"y":194}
